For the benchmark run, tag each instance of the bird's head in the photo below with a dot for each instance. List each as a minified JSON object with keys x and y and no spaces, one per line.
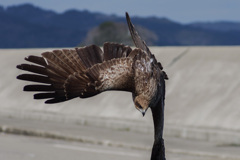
{"x":141,"y":104}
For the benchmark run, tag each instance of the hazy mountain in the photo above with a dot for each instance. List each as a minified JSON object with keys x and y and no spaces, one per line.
{"x":30,"y":26}
{"x":218,"y":26}
{"x":116,"y":32}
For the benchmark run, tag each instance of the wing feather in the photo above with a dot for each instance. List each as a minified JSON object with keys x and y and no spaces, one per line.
{"x":57,"y":62}
{"x":33,"y":68}
{"x":81,"y":72}
{"x":87,"y":71}
{"x":139,"y":43}
{"x":90,"y":55}
{"x":115,"y":74}
{"x":38,"y":88}
{"x":36,"y":60}
{"x":34,"y":78}
{"x":115,"y":50}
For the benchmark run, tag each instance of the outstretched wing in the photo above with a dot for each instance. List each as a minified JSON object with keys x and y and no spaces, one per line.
{"x":82,"y":72}
{"x":139,"y":43}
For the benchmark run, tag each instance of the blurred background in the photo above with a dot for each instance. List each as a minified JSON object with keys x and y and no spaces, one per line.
{"x":198,"y":44}
{"x":27,"y":24}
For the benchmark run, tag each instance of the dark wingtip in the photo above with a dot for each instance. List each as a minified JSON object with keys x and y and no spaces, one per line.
{"x":49,"y":102}
{"x":20,"y":77}
{"x":36,"y":59}
{"x":28,"y":58}
{"x":19,"y":66}
{"x":56,"y":100}
{"x":44,"y":95}
{"x":127,"y":15}
{"x":25,"y":88}
{"x":128,"y":19}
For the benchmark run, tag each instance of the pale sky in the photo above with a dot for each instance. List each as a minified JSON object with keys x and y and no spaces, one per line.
{"x":184,"y":11}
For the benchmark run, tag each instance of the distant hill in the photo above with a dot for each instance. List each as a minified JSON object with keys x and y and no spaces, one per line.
{"x":26,"y":26}
{"x":116,"y":32}
{"x":218,"y":26}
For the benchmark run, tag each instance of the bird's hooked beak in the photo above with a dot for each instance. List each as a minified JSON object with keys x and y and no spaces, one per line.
{"x":143,"y":112}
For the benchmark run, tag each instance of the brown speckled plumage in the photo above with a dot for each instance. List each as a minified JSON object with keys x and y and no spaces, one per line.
{"x":87,"y":71}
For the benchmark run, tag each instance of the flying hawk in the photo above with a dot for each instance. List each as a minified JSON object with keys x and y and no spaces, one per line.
{"x":65,"y":74}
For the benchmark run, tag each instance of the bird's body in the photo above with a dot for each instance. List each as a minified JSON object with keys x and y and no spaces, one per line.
{"x":85,"y":72}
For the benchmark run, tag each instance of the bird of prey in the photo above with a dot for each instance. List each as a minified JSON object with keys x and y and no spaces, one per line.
{"x":65,"y":74}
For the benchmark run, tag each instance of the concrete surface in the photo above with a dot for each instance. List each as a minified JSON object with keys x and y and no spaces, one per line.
{"x":47,"y":149}
{"x":202,"y":99}
{"x":73,"y":141}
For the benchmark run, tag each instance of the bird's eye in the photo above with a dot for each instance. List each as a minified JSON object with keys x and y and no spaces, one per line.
{"x":139,"y":106}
